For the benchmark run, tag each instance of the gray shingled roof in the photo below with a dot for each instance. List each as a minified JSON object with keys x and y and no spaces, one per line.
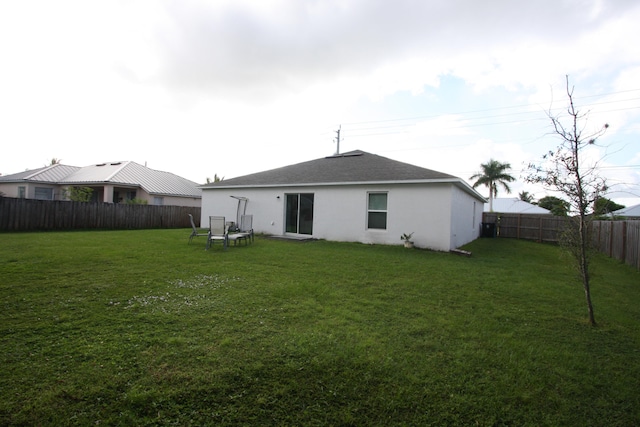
{"x":123,"y":173}
{"x":352,"y":167}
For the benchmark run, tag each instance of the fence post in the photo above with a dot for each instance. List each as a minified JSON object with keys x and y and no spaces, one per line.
{"x":624,"y":241}
{"x":540,"y":229}
{"x":611,"y":239}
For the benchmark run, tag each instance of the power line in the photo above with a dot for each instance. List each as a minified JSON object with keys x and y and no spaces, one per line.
{"x":462,"y":113}
{"x":467,"y":123}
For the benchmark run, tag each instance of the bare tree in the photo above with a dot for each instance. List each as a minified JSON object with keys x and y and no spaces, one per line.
{"x":567,"y":171}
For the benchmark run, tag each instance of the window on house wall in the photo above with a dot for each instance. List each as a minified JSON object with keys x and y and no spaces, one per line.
{"x":377,"y":211}
{"x":42,"y":193}
{"x":22,"y":192}
{"x":158,"y":201}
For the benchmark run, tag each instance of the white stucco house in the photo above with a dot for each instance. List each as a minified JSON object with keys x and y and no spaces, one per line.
{"x":111,"y":182}
{"x":355,"y":197}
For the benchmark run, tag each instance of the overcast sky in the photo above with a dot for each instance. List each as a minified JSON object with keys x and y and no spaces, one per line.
{"x":200,"y":88}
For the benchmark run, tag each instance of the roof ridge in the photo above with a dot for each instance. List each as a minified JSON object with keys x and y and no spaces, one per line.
{"x":40,"y":170}
{"x":118,"y":170}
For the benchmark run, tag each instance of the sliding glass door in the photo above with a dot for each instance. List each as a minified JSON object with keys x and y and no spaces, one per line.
{"x":299,"y":213}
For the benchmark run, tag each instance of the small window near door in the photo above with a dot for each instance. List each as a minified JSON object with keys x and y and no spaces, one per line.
{"x":22,"y":192}
{"x":377,"y":211}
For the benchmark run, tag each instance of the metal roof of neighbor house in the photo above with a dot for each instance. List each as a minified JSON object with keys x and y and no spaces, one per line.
{"x":52,"y":174}
{"x":514,"y":205}
{"x":132,"y":173}
{"x":354,"y":167}
{"x":629,"y":211}
{"x":123,"y":173}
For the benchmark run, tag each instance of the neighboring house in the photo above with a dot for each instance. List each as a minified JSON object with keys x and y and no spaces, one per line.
{"x":356,"y":197}
{"x":632,"y":212}
{"x":514,"y":205}
{"x":113,"y":182}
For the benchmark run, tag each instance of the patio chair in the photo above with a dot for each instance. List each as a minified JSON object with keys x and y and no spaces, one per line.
{"x":217,"y":231}
{"x":245,"y":231}
{"x":246,"y":226}
{"x":194,"y":230}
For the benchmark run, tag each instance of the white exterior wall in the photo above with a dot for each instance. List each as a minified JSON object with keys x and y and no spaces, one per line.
{"x":466,"y":218}
{"x":340,"y":212}
{"x":263,"y":205}
{"x":9,"y":190}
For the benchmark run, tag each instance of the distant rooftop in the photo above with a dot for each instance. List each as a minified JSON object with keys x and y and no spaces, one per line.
{"x":514,"y":205}
{"x":633,"y":211}
{"x":122,"y":172}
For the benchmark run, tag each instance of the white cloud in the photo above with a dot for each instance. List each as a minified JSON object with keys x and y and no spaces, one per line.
{"x":158,"y":81}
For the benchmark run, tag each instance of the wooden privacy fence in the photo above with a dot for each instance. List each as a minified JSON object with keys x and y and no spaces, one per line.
{"x":542,"y":228}
{"x":618,"y":239}
{"x":29,"y":215}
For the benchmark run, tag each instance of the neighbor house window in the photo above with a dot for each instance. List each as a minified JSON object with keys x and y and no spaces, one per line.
{"x":44,"y":193}
{"x":22,"y":192}
{"x":158,"y":201}
{"x":377,"y":211}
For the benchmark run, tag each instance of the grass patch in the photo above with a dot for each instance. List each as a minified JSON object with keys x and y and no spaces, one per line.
{"x":138,"y":327}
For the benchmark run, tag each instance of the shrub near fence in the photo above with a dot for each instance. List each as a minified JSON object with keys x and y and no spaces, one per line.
{"x":30,"y":215}
{"x":617,"y":239}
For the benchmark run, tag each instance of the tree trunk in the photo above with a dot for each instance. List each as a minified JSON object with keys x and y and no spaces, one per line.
{"x":584,"y":267}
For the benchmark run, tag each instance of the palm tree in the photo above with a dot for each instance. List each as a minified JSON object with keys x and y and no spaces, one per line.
{"x":493,"y":173}
{"x":526,"y":197}
{"x":216,"y":178}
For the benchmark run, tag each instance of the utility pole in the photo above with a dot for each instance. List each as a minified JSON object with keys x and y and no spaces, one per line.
{"x":338,"y":139}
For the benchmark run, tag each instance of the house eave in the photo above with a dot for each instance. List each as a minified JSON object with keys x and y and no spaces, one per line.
{"x":455,"y":181}
{"x":319,"y":184}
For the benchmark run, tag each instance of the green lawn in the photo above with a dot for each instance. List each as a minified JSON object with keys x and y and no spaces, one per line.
{"x":140,"y":328}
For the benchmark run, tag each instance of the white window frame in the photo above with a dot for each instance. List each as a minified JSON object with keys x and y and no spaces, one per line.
{"x":385,"y":210}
